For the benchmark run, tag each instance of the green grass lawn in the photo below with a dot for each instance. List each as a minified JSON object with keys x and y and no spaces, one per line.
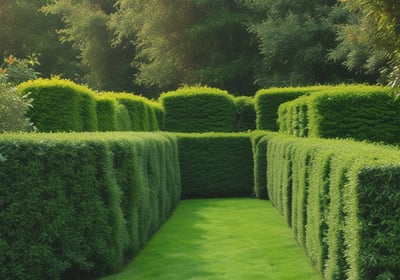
{"x":222,"y":239}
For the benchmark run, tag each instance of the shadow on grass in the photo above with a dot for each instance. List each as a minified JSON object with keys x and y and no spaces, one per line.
{"x":221,"y":239}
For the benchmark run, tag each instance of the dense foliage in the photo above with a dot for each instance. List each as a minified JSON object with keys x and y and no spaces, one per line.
{"x":240,"y":46}
{"x":341,"y":200}
{"x":75,"y":206}
{"x":199,"y":109}
{"x":216,"y":165}
{"x":358,"y":112}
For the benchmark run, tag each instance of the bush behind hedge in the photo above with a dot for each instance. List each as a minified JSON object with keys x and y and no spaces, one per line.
{"x":341,"y":199}
{"x":198,"y":109}
{"x":76,"y":205}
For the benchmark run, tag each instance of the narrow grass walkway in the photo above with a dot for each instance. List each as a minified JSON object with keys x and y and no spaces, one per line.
{"x":222,"y":239}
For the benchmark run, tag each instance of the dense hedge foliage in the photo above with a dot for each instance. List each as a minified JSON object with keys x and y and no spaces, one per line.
{"x":267,"y":102}
{"x":143,"y":113}
{"x":358,"y":112}
{"x":341,"y":199}
{"x":199,"y":109}
{"x":74,"y":206}
{"x":259,"y":146}
{"x":61,"y":105}
{"x":216,"y":165}
{"x":245,"y":113}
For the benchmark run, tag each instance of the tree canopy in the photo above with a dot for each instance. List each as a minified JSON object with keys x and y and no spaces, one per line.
{"x":150,"y":46}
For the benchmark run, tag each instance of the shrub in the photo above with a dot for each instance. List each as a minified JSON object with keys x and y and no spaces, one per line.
{"x":358,"y":112}
{"x":341,"y":199}
{"x":216,"y":165}
{"x":245,"y":113}
{"x":60,"y":105}
{"x":13,"y":109}
{"x":198,"y":109}
{"x":73,"y":205}
{"x":267,"y":102}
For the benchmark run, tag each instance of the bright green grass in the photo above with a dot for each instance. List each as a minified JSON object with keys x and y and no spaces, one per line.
{"x":222,"y":239}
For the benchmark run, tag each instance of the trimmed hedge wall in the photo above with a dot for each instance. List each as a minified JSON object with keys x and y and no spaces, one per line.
{"x":341,"y":199}
{"x":142,"y":112}
{"x":75,"y":206}
{"x":267,"y":102}
{"x":61,"y":105}
{"x":216,"y":165}
{"x":199,"y":109}
{"x":358,"y":112}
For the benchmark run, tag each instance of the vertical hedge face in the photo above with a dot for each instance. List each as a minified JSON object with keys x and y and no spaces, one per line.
{"x":74,"y":206}
{"x":198,"y":109}
{"x":216,"y":165}
{"x":344,"y":203}
{"x":106,"y":109}
{"x":267,"y":102}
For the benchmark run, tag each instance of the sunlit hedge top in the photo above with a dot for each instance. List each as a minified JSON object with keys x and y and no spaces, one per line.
{"x":199,"y":109}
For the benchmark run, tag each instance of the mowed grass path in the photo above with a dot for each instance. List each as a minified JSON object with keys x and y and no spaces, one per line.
{"x":222,"y":239}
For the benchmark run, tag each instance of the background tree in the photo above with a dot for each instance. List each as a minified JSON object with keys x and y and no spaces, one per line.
{"x":294,"y":38}
{"x":371,"y":41}
{"x":86,"y":27}
{"x":24,"y":31}
{"x":189,"y":42}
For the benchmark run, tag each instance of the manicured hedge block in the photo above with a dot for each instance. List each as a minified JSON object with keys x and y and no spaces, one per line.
{"x":199,"y":109}
{"x":142,"y":114}
{"x":60,"y":105}
{"x":341,"y":199}
{"x":106,"y":109}
{"x":267,"y":102}
{"x":75,"y":206}
{"x":358,"y":112}
{"x":216,"y":165}
{"x":245,"y":113}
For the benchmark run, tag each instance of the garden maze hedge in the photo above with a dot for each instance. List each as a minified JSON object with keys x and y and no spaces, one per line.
{"x":78,"y":205}
{"x":75,"y":206}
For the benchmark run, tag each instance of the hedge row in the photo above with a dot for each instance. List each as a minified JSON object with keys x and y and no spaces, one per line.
{"x":61,"y":105}
{"x":267,"y":102}
{"x":216,"y":165}
{"x":342,"y":200}
{"x":75,"y":206}
{"x":204,"y":109}
{"x":358,"y":112}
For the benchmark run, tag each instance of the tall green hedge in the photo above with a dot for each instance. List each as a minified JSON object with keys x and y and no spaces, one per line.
{"x":60,"y":105}
{"x":198,"y":109}
{"x":75,"y":206}
{"x":142,"y":112}
{"x":267,"y":102}
{"x":342,"y":201}
{"x":107,"y":116}
{"x":216,"y":165}
{"x":358,"y":112}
